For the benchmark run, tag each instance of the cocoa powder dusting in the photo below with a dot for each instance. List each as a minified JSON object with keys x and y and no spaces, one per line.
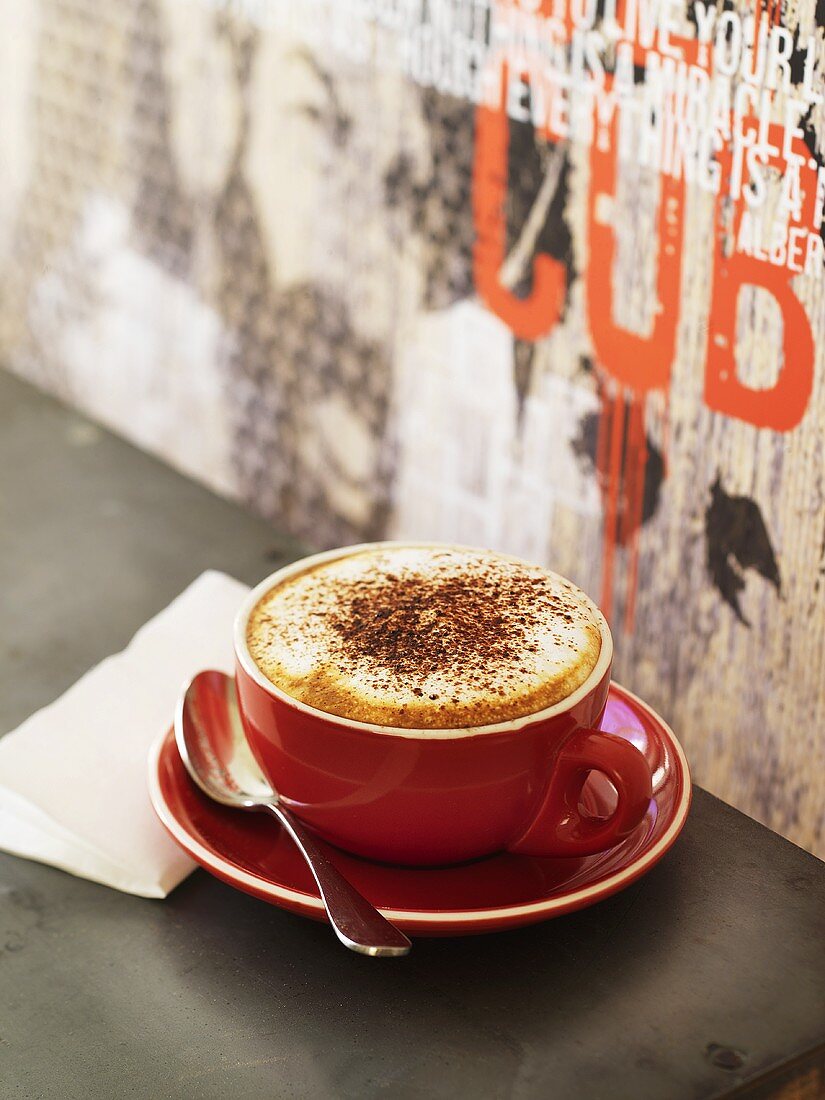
{"x":415,"y":626}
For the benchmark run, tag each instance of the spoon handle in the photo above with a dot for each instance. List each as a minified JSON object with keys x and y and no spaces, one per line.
{"x":356,"y":922}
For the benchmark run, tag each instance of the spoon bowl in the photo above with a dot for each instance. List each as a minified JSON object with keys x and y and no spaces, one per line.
{"x":213,"y":746}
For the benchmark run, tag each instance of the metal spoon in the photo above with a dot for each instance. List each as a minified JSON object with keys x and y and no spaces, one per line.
{"x":213,"y":747}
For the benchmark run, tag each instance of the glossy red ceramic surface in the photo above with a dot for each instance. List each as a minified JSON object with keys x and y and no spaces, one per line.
{"x":445,"y":798}
{"x":249,"y":851}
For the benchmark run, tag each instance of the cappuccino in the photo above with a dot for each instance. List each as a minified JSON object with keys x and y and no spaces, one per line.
{"x":425,"y":637}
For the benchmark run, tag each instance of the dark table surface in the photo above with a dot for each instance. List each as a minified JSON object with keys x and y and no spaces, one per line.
{"x":705,"y":979}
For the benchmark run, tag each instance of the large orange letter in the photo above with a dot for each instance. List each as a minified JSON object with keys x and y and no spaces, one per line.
{"x":536,"y":314}
{"x":638,"y":362}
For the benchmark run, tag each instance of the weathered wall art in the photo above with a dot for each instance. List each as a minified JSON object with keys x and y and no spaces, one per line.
{"x":546,"y":276}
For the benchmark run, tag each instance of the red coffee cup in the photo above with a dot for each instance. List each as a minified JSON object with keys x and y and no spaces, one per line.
{"x":430,"y":797}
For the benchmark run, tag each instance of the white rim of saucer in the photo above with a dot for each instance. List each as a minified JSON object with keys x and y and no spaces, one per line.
{"x":261,"y":886}
{"x":244,"y":657}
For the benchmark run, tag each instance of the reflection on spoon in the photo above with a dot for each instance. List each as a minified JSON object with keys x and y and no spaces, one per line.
{"x":214,"y":749}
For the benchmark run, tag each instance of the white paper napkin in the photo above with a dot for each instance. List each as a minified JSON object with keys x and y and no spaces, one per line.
{"x":73,"y":776}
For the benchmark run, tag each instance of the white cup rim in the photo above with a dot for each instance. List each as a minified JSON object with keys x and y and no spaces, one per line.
{"x":246,"y":661}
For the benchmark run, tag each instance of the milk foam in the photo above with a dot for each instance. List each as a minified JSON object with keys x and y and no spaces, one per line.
{"x":425,"y":637}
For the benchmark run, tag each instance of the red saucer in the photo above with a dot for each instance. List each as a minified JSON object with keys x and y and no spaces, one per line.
{"x":249,"y":851}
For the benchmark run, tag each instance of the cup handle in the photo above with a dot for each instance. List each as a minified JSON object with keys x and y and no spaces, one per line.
{"x":559,"y":828}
